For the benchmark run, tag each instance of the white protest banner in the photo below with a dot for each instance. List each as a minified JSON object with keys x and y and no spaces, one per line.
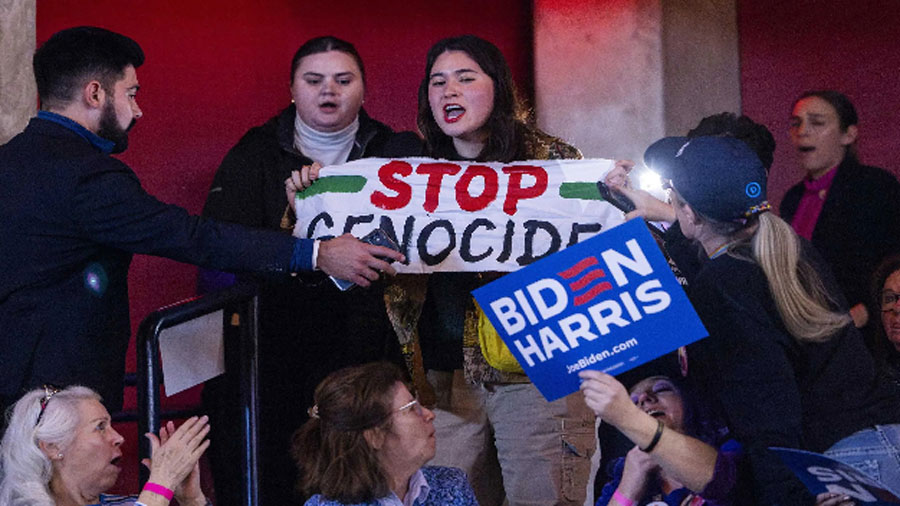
{"x":461,"y":216}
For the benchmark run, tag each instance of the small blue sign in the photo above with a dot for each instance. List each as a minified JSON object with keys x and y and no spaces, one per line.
{"x":609,"y":303}
{"x":823,"y":474}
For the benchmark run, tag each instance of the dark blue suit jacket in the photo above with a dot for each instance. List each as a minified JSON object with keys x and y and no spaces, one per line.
{"x":71,"y":217}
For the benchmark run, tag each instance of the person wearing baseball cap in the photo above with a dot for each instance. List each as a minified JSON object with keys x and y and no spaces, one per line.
{"x":783,"y":363}
{"x":721,"y":176}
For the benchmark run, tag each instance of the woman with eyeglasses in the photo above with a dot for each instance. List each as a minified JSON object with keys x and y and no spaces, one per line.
{"x":366,"y":442}
{"x":886,"y":298}
{"x":60,"y":449}
{"x":849,"y":211}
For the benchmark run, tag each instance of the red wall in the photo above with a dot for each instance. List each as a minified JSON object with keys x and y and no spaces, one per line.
{"x":215,"y":69}
{"x":213,"y":72}
{"x":851,"y":46}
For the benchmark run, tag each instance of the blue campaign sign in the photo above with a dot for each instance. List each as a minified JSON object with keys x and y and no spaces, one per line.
{"x":609,"y":303}
{"x":823,"y":474}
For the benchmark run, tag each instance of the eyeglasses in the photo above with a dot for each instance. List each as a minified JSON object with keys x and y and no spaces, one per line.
{"x":889,"y":301}
{"x":49,"y":392}
{"x":413,"y":404}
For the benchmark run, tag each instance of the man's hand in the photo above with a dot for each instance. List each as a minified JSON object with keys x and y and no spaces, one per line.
{"x":350,"y":259}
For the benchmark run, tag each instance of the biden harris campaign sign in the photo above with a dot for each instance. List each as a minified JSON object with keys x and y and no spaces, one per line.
{"x":822,"y":474}
{"x":609,"y":303}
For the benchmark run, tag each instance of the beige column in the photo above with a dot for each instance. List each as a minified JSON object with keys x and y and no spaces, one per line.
{"x":612,"y":76}
{"x":18,"y":94}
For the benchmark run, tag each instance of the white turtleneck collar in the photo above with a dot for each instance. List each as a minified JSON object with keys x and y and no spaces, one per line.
{"x":327,"y":148}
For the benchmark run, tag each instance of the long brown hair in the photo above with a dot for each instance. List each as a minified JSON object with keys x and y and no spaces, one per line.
{"x":330,"y":449}
{"x":507,"y":126}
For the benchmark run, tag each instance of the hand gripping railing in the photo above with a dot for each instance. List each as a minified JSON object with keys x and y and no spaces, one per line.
{"x":240,"y":307}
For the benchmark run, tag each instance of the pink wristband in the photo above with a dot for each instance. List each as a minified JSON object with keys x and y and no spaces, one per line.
{"x":624,"y":501}
{"x":156,"y":488}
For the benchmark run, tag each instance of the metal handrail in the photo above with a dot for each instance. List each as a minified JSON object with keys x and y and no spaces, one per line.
{"x":240,"y":300}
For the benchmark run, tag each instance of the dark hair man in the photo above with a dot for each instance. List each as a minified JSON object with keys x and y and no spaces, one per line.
{"x":71,"y":217}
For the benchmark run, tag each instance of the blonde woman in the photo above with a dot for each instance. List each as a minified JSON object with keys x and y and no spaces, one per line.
{"x":783,"y":363}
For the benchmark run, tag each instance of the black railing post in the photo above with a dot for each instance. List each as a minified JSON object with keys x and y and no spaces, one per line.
{"x":147,"y":387}
{"x":240,"y":300}
{"x":250,"y":401}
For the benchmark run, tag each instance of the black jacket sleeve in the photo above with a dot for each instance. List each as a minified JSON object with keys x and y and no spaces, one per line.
{"x":747,"y":365}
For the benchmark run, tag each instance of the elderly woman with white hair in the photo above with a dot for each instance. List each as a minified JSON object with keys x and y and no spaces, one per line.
{"x":60,"y":449}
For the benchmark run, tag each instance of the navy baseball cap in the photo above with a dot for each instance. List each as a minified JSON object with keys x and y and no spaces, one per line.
{"x":720,"y":177}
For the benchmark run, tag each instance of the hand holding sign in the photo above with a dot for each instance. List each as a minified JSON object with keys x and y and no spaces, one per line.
{"x":300,"y":180}
{"x":608,"y":303}
{"x":607,"y":397}
{"x":829,"y":478}
{"x":833,"y":499}
{"x":618,"y":176}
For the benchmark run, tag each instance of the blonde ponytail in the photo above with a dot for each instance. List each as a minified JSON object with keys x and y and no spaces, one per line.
{"x":802,"y":301}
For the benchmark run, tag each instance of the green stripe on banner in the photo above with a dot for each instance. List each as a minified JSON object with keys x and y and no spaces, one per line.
{"x":580,"y":191}
{"x":334,"y":184}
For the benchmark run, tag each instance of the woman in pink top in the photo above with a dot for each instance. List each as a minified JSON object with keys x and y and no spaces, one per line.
{"x":850,"y":211}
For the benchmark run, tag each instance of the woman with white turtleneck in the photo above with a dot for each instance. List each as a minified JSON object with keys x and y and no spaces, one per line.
{"x":307,"y":328}
{"x":326,"y":148}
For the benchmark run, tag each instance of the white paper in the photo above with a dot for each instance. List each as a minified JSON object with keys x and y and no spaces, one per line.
{"x":192,"y":352}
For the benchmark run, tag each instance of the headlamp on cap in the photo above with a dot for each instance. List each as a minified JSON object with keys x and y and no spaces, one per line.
{"x":719,"y":177}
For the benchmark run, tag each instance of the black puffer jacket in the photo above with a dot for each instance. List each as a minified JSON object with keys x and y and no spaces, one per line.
{"x":307,"y":327}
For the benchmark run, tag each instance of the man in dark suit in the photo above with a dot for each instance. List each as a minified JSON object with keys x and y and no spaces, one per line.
{"x":71,"y":217}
